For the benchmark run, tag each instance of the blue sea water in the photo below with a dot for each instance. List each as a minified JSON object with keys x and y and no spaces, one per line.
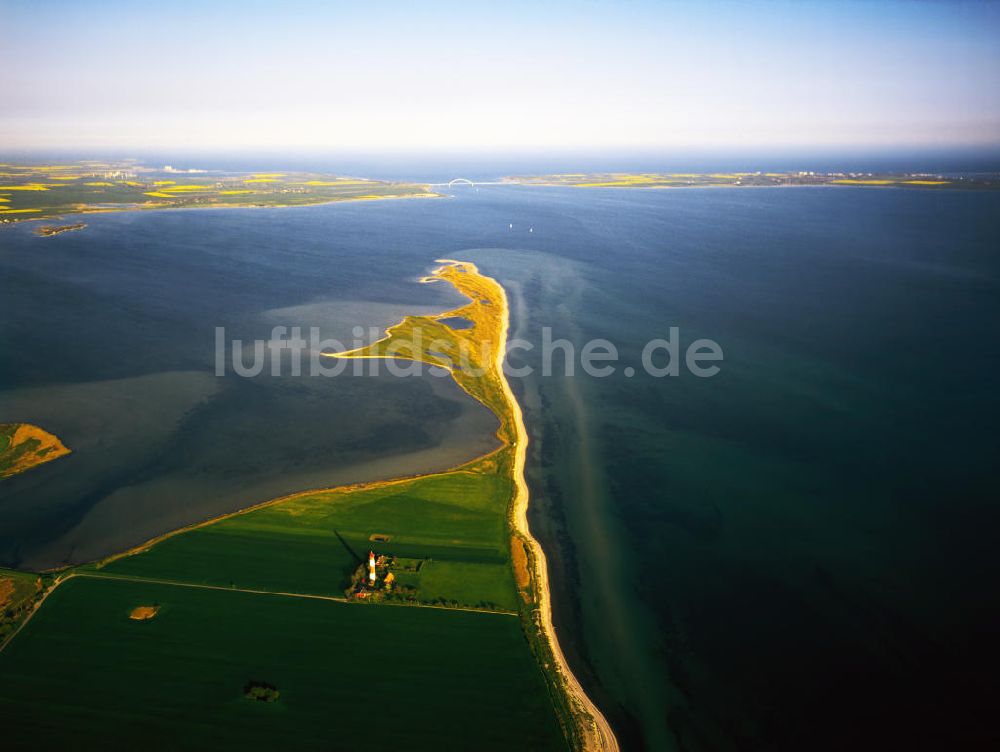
{"x":797,"y":553}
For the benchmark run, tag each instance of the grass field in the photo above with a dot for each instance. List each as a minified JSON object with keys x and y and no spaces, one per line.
{"x":350,"y":677}
{"x":311,"y":543}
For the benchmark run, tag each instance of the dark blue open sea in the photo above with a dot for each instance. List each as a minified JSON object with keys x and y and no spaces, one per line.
{"x":798,"y":553}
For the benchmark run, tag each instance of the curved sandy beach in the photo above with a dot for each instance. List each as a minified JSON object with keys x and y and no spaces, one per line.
{"x":598,"y":735}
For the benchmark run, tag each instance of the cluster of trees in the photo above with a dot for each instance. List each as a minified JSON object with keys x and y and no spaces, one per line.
{"x":261,"y":691}
{"x":15,"y":602}
{"x":452,"y":603}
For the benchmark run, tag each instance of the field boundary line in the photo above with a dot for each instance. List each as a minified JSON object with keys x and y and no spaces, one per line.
{"x":284,"y":594}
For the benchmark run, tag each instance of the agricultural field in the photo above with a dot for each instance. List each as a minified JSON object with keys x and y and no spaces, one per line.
{"x":346,"y":676}
{"x":749,"y":179}
{"x":24,"y":446}
{"x":454,"y":522}
{"x":34,"y":192}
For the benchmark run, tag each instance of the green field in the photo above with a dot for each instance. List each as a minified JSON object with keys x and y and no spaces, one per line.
{"x":313,"y":542}
{"x":349,"y":676}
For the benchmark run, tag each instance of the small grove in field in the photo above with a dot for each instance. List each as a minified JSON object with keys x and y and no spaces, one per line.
{"x":259,"y":691}
{"x":18,"y":593}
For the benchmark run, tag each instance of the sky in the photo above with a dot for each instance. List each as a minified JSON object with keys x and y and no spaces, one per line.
{"x":507,"y":75}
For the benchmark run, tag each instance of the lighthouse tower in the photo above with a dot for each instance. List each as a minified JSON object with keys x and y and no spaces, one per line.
{"x":371,"y":568}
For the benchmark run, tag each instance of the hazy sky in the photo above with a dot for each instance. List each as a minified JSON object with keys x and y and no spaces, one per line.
{"x":432,"y":75}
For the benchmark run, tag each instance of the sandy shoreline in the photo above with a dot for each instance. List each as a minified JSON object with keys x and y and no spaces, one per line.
{"x":599,"y":736}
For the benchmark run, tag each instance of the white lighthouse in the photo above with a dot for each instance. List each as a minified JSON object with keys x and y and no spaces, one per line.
{"x":371,"y":568}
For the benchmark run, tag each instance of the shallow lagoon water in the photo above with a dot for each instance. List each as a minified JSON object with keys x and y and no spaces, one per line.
{"x":794,"y":554}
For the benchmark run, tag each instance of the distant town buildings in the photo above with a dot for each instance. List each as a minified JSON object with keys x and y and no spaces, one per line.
{"x":191,"y":171}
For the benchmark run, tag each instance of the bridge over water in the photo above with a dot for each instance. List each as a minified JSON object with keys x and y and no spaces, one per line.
{"x":471,"y":183}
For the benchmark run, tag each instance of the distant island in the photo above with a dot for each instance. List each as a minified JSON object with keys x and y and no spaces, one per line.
{"x":33,"y":192}
{"x":50,"y":230}
{"x":754,"y":179}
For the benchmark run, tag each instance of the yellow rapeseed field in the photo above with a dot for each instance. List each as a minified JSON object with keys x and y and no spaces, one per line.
{"x":336,"y":182}
{"x":850,"y":181}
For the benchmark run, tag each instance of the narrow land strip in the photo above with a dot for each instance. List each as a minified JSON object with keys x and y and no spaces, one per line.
{"x":486,"y":382}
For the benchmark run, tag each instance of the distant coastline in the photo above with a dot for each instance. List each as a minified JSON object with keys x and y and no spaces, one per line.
{"x":913,"y":180}
{"x":44,"y":191}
